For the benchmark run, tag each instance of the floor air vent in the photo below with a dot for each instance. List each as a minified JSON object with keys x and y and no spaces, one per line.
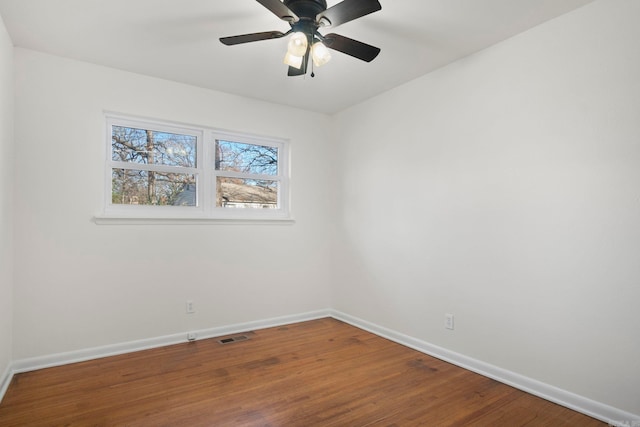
{"x":233,"y":339}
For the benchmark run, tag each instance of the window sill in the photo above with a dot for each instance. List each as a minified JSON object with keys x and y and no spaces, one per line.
{"x":131,"y":220}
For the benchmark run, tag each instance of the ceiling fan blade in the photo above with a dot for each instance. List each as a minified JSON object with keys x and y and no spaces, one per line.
{"x":348,"y":10}
{"x":293,"y":71}
{"x":279,"y":9}
{"x":253,"y":37}
{"x":351,"y":47}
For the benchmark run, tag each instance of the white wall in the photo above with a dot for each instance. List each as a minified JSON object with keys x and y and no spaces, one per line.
{"x":504,"y":189}
{"x":81,"y":285}
{"x":6,"y":182}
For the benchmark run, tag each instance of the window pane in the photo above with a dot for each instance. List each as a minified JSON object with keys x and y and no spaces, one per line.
{"x":152,"y":147}
{"x":247,"y":158}
{"x":138,"y":187}
{"x":246,"y":193}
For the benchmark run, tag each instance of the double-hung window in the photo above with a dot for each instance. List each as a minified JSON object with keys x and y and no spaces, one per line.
{"x":163,"y":170}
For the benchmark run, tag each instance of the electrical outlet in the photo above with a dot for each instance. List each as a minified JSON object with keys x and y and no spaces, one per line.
{"x":448,"y":321}
{"x":191,"y":308}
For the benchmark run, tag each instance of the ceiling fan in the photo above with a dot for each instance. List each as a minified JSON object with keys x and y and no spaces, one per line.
{"x":305,"y":18}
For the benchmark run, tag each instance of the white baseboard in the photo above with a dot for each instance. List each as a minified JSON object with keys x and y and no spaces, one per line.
{"x":606,"y":413}
{"x":5,"y":380}
{"x":41,"y":362}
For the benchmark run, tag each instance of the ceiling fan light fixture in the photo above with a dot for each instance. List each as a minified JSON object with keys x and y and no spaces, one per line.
{"x":293,"y":60}
{"x":297,"y":44}
{"x":320,"y":54}
{"x":306,"y":17}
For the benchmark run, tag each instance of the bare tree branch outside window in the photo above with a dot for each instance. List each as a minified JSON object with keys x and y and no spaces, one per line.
{"x":148,"y":147}
{"x":257,"y":160}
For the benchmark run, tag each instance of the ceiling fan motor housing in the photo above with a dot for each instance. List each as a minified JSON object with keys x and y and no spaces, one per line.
{"x":306,"y":9}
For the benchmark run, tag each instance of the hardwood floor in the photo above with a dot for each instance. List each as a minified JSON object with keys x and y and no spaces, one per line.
{"x":318,"y":373}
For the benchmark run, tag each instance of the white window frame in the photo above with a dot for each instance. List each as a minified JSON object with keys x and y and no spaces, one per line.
{"x":282,"y":177}
{"x":206,"y":177}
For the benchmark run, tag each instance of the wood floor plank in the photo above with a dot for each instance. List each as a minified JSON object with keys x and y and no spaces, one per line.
{"x":318,"y":373}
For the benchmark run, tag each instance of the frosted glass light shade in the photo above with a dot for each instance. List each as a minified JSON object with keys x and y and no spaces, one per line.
{"x":293,"y":60}
{"x":298,"y":44}
{"x":320,"y":54}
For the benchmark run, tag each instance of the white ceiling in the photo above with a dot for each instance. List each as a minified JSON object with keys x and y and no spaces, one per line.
{"x":178,"y":40}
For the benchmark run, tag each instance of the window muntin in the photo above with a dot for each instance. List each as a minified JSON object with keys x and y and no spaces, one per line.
{"x":160,"y":170}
